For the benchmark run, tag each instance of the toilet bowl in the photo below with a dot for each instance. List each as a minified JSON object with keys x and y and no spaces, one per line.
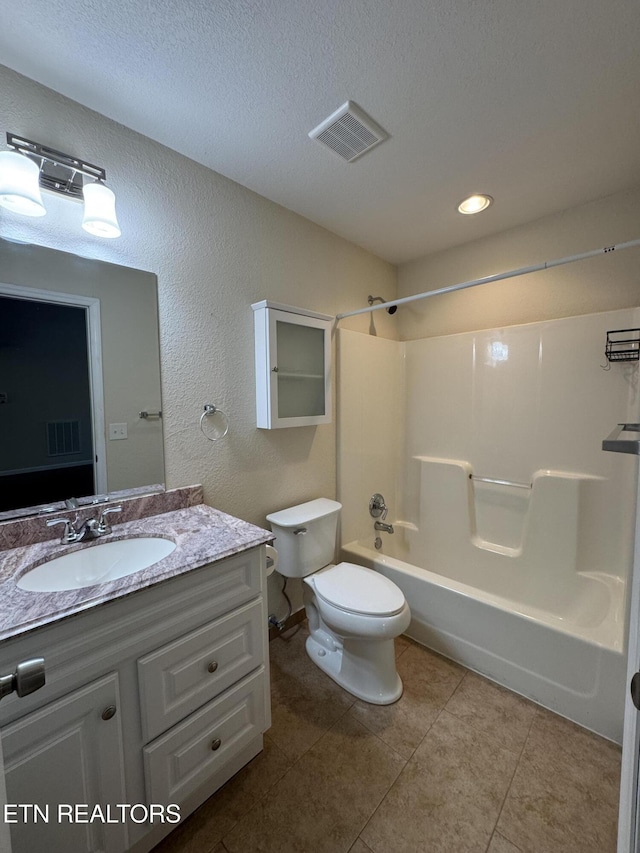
{"x":354,"y":613}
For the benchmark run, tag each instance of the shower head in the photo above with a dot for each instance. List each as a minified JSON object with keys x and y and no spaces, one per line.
{"x":372,"y":299}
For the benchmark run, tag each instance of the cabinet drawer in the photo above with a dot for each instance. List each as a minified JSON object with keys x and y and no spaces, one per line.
{"x":181,"y":676}
{"x":181,"y":760}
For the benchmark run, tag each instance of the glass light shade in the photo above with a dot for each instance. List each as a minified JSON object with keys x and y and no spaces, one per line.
{"x":19,"y":187}
{"x":100,"y":211}
{"x":475,"y":203}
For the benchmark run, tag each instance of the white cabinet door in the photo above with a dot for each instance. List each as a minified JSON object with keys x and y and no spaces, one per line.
{"x":67,"y":754}
{"x":293,"y":366}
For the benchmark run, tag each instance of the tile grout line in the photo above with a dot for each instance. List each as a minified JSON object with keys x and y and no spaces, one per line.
{"x":395,"y":781}
{"x":501,"y":835}
{"x":513,"y":775}
{"x":262,"y":797}
{"x":407,"y":761}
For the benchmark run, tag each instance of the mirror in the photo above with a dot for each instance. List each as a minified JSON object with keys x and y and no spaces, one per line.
{"x":80,"y":406}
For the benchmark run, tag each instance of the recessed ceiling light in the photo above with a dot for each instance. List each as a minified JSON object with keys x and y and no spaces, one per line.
{"x":475,"y":203}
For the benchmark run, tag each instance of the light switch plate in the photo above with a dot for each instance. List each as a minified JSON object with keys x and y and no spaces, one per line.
{"x":117,"y":431}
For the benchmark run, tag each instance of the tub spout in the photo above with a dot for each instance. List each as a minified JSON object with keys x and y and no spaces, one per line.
{"x":380,"y":525}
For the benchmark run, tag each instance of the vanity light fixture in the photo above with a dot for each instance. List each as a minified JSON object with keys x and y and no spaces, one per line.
{"x":475,"y":203}
{"x":19,"y":188}
{"x":31,"y":166}
{"x":100,"y":210}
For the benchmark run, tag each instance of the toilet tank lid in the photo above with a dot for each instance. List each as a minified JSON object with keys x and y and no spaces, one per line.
{"x":302,"y":514}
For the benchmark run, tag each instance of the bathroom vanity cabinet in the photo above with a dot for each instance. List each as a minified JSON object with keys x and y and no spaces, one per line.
{"x":293,"y":366}
{"x":156,"y":698}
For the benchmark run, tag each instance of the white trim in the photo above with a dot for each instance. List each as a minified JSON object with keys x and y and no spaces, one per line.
{"x":628,"y":807}
{"x":488,"y":279}
{"x":94,"y":348}
{"x":291,"y":309}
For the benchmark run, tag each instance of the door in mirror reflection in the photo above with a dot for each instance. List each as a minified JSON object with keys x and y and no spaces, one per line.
{"x":120,"y":307}
{"x":46,"y":423}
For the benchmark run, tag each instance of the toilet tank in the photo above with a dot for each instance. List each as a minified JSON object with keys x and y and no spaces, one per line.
{"x":305,"y":536}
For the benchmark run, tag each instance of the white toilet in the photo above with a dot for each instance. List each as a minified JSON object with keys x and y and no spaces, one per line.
{"x":354,"y":613}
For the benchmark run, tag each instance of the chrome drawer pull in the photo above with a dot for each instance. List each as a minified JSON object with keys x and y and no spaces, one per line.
{"x":216,"y":743}
{"x":29,"y":676}
{"x":213,"y":666}
{"x":109,"y":711}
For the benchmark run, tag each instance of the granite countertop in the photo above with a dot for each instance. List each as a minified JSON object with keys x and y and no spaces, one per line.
{"x":202,"y":535}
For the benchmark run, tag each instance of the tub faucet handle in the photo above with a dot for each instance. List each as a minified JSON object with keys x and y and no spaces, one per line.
{"x":377,"y":506}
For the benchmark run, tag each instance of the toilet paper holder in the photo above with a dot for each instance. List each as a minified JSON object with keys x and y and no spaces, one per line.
{"x":272,"y":559}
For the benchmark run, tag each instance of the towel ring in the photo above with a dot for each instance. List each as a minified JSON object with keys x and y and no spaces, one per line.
{"x":210,"y":409}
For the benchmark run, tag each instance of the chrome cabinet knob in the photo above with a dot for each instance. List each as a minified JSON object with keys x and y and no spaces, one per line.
{"x":213,"y":666}
{"x":216,"y":743}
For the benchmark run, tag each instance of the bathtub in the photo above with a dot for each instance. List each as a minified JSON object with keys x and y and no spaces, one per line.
{"x":563,"y":652}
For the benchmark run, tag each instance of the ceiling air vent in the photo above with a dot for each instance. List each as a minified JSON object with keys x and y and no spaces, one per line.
{"x":350,"y":132}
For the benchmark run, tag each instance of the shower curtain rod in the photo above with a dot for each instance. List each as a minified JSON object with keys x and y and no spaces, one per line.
{"x":490,"y":278}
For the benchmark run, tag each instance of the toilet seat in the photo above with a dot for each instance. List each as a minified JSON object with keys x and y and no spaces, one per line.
{"x":355,"y":589}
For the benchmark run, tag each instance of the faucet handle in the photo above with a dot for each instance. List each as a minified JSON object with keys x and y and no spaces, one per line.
{"x":102,"y":525}
{"x":69,"y":534}
{"x":378,"y":506}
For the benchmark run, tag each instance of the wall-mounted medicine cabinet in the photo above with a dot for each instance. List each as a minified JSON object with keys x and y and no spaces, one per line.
{"x":293,"y":366}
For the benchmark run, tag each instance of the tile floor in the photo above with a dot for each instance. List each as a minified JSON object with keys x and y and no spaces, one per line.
{"x":458,"y":764}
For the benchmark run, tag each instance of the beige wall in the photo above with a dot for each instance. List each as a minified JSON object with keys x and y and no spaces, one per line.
{"x":371,"y":421}
{"x":599,"y":284}
{"x":216,"y":247}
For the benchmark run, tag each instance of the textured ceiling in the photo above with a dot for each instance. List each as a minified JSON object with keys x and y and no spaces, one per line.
{"x":536,"y":102}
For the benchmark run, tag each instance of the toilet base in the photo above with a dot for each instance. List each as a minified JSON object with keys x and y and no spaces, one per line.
{"x":363,"y":668}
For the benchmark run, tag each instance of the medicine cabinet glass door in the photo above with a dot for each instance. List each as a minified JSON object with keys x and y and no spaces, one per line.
{"x":293,"y":363}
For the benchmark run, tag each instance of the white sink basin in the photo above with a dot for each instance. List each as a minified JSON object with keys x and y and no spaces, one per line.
{"x":96,"y":564}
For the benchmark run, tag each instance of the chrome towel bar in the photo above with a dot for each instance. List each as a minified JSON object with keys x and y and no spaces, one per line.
{"x":500,"y":482}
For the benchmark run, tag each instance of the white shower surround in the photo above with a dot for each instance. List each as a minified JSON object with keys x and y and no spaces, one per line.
{"x":527,"y":586}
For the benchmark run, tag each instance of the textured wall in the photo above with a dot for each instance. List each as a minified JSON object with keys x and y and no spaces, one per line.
{"x":216,"y":248}
{"x":599,"y":284}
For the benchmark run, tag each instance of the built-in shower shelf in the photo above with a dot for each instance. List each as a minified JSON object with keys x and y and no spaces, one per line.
{"x":625,"y":438}
{"x":623,"y":345}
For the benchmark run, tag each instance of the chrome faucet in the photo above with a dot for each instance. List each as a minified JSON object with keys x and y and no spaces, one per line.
{"x":92,"y":528}
{"x":380,"y":525}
